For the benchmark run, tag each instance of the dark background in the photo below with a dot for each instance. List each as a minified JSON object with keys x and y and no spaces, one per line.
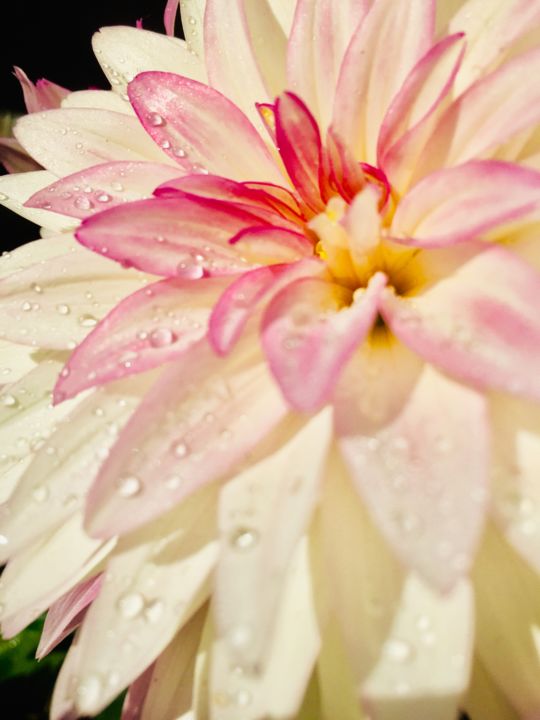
{"x":52,"y":40}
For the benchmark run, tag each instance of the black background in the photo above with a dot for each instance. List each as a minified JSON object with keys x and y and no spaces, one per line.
{"x":52,"y":40}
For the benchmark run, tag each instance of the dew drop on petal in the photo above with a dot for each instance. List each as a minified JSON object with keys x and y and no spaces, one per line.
{"x":398,"y":651}
{"x":88,"y":694}
{"x":130,"y":605}
{"x":63,"y":309}
{"x":104,"y":198}
{"x":243,"y":698}
{"x":162,"y":337}
{"x":83,"y":203}
{"x":181,"y":450}
{"x":87,"y":321}
{"x":129,"y":486}
{"x":244,"y":539}
{"x":156,"y":120}
{"x":3,"y":540}
{"x":9,"y":401}
{"x":154,"y":610}
{"x":40,"y":493}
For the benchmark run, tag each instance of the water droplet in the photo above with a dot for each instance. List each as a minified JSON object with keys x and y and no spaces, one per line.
{"x":3,"y":197}
{"x":83,"y":203}
{"x":3,"y":540}
{"x":129,"y":486}
{"x":104,"y":198}
{"x":36,"y":288}
{"x":154,"y":611}
{"x":162,"y":337}
{"x":63,"y":309}
{"x":165,"y":144}
{"x":243,"y":698}
{"x":181,"y":450}
{"x":40,"y":493}
{"x":222,"y":698}
{"x":87,"y":321}
{"x":88,"y":694}
{"x":244,"y":539}
{"x":9,"y":401}
{"x":192,"y":20}
{"x":156,"y":120}
{"x":117,"y":186}
{"x":398,"y":651}
{"x":173,"y":482}
{"x":130,"y":605}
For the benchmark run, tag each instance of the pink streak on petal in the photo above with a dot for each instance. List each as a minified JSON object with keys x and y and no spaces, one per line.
{"x":230,"y":405}
{"x":241,"y":300}
{"x":169,"y":16}
{"x":44,"y":95}
{"x":101,"y":187}
{"x":299,"y":144}
{"x":138,"y":690}
{"x":309,"y":334}
{"x":345,"y":172}
{"x":66,"y":614}
{"x":487,"y":115}
{"x":199,"y":128}
{"x":481,"y":325}
{"x":371,"y":75}
{"x":255,"y":200}
{"x":184,"y":237}
{"x":268,"y":245}
{"x":421,"y":93}
{"x":420,"y":471}
{"x":149,"y":328}
{"x":463,"y":203}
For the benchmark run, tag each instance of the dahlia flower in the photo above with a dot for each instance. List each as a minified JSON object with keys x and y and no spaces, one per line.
{"x":270,"y":422}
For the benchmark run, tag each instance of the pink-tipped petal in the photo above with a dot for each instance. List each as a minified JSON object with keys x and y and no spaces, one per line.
{"x":44,"y":95}
{"x":415,"y":110}
{"x":269,"y":245}
{"x":490,"y":113}
{"x":149,"y":328}
{"x":463,"y":203}
{"x":185,"y":237}
{"x":66,"y":614}
{"x":372,"y":74}
{"x":91,"y":137}
{"x":480,"y":325}
{"x":419,"y":470}
{"x":313,"y":73}
{"x":257,"y":200}
{"x":195,"y":424}
{"x":309,"y":332}
{"x":299,"y":143}
{"x":101,"y":187}
{"x":345,"y":172}
{"x":199,"y":128}
{"x":169,"y":16}
{"x":136,"y":695}
{"x":240,"y":301}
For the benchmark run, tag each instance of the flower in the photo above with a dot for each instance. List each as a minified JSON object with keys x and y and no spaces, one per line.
{"x":291,"y":465}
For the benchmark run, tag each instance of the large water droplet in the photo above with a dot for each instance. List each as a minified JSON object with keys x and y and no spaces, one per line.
{"x":398,"y":651}
{"x":83,"y":203}
{"x":162,"y":337}
{"x":156,"y":120}
{"x":88,"y":321}
{"x":130,"y":605}
{"x":88,"y":694}
{"x":9,"y":401}
{"x":244,"y":539}
{"x":129,"y":486}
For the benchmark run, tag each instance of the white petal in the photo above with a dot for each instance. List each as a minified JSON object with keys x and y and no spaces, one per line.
{"x":124,"y":52}
{"x":97,"y":100}
{"x":17,"y":188}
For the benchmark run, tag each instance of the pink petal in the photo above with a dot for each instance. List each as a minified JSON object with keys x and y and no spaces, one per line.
{"x":415,"y":110}
{"x":481,"y":325}
{"x":147,"y":329}
{"x":186,"y":237}
{"x":199,"y":128}
{"x":102,"y":186}
{"x":169,"y":16}
{"x":198,"y":421}
{"x":257,"y":200}
{"x":230,"y":58}
{"x":44,"y":95}
{"x":66,"y":614}
{"x":372,"y":74}
{"x":487,"y":115}
{"x":309,"y":332}
{"x":241,"y":299}
{"x":311,"y":73}
{"x":268,"y":245}
{"x":136,"y":695}
{"x":299,"y":143}
{"x":465,"y":202}
{"x":421,"y":471}
{"x":345,"y":172}
{"x":92,"y":136}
